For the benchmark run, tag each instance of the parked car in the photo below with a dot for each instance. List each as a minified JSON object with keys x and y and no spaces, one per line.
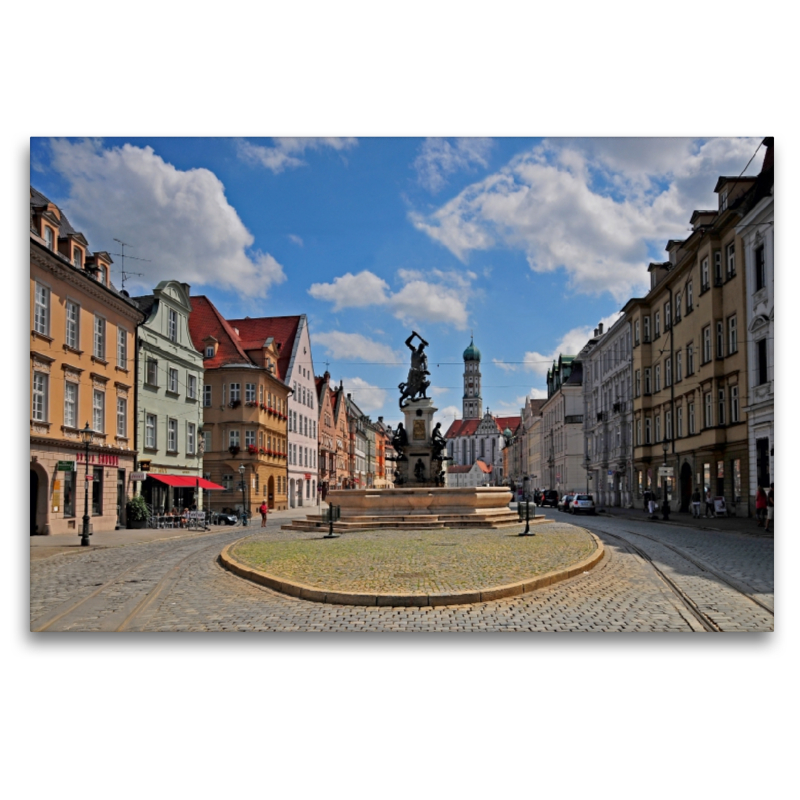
{"x":582,"y":504}
{"x":563,"y":504}
{"x":225,"y":518}
{"x":549,"y":497}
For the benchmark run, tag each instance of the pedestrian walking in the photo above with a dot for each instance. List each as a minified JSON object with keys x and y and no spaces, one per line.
{"x":770,"y":506}
{"x":263,"y":510}
{"x":709,"y":504}
{"x":761,"y":506}
{"x":696,"y":499}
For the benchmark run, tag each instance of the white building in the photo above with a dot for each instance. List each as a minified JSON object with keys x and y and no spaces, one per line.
{"x":757,"y":230}
{"x":608,"y":414}
{"x":479,"y":474}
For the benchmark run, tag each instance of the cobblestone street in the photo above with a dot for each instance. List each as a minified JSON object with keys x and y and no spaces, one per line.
{"x":676,"y":579}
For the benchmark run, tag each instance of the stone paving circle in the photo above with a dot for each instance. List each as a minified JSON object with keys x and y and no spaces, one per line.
{"x":415,"y":567}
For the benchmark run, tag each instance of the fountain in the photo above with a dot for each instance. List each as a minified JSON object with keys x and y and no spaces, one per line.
{"x":420,"y":498}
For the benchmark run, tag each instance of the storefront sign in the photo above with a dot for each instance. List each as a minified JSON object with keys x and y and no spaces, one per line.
{"x":138,"y":476}
{"x":65,"y":466}
{"x":308,"y":476}
{"x":104,"y":459}
{"x":90,"y":477}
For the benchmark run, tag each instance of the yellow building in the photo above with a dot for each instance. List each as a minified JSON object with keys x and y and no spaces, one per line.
{"x":245,"y":403}
{"x":689,"y":363}
{"x":83,"y":334}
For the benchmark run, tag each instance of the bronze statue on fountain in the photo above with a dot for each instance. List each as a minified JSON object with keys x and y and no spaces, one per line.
{"x":416,"y":383}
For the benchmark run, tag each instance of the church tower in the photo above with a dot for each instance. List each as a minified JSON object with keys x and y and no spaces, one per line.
{"x":472,"y":403}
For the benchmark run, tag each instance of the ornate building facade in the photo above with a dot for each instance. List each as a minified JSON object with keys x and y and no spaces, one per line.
{"x":83,"y":350}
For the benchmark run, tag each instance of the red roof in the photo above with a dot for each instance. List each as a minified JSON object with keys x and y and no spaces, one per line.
{"x":483,"y":467}
{"x":206,"y":321}
{"x":254,"y":332}
{"x":458,"y":469}
{"x":462,"y":427}
{"x":508,"y":422}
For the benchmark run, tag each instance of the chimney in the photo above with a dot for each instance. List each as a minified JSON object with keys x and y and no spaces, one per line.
{"x":600,"y":328}
{"x":187,"y":288}
{"x":236,"y":331}
{"x":596,"y":333}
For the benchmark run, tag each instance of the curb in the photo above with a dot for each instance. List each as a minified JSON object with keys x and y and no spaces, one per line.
{"x":418,"y":600}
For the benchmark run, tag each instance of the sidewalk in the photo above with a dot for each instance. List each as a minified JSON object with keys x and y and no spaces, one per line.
{"x":43,"y":546}
{"x":724,"y":524}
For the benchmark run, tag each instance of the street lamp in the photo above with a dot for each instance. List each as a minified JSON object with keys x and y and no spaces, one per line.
{"x":527,"y":531}
{"x":242,"y":469}
{"x":86,"y":438}
{"x":665,"y":504}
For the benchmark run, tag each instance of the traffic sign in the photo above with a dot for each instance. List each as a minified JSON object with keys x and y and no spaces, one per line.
{"x":138,"y":476}
{"x":65,"y":466}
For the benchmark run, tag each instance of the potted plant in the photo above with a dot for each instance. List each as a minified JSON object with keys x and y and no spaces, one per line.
{"x":136,"y":513}
{"x":233,"y":450}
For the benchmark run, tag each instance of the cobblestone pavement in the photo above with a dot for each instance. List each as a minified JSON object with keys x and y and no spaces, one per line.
{"x":178,"y":585}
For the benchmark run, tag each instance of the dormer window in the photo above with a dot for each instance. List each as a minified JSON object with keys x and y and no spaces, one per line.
{"x":77,"y":258}
{"x":210,"y":351}
{"x":48,"y":237}
{"x":102,"y":274}
{"x":723,"y":200}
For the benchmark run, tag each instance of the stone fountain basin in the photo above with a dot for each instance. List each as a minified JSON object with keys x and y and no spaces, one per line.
{"x":469,"y":500}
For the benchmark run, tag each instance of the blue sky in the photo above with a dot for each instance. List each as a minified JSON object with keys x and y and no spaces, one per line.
{"x":528,"y":243}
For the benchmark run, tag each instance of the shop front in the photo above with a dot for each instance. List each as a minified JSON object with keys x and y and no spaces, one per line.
{"x":175,"y":493}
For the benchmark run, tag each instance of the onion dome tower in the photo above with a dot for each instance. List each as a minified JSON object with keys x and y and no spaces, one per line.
{"x":472,"y":402}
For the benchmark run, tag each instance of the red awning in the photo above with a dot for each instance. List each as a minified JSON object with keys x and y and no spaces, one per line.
{"x":185,"y":480}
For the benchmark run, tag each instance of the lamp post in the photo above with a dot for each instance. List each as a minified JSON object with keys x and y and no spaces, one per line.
{"x":242,"y":469}
{"x":665,"y":504}
{"x":586,"y":465}
{"x":86,"y":438}
{"x":527,"y":531}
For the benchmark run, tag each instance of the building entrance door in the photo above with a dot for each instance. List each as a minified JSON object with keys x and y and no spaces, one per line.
{"x":686,"y":486}
{"x":120,"y":498}
{"x":271,"y":492}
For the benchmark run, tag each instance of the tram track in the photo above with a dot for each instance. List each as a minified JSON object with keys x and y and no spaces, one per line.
{"x":707,"y":622}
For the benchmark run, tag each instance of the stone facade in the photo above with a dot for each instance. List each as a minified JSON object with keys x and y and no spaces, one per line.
{"x":608,"y":414}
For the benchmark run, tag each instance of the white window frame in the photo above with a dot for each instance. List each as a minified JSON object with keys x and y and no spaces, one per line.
{"x":689,"y":297}
{"x":150,"y":431}
{"x":730,"y":260}
{"x":40,"y":397}
{"x":658,"y":427}
{"x":172,"y":380}
{"x":668,"y":372}
{"x":99,"y":410}
{"x":708,"y":410}
{"x":734,"y":404}
{"x":206,"y":441}
{"x":191,"y":431}
{"x":679,"y":366}
{"x":704,"y":276}
{"x":668,"y":425}
{"x":70,"y":404}
{"x":249,"y":393}
{"x":49,"y":237}
{"x":77,"y":258}
{"x":122,"y":348}
{"x":721,"y":403}
{"x":234,"y":438}
{"x":122,"y":417}
{"x":99,"y":342}
{"x":41,"y":309}
{"x":679,"y":420}
{"x":647,"y":329}
{"x":249,"y":437}
{"x":191,"y":386}
{"x":172,"y":435}
{"x":172,"y":325}
{"x":658,"y":378}
{"x":648,"y":385}
{"x":706,"y":344}
{"x":656,"y":324}
{"x":733,"y":339}
{"x":72,"y":332}
{"x":692,"y":419}
{"x":648,"y":430}
{"x":151,"y":371}
{"x":235,"y":392}
{"x":210,"y":351}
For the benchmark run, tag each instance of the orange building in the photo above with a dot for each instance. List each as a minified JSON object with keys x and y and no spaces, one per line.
{"x":83,"y":346}
{"x":245,"y":403}
{"x":327,"y":434}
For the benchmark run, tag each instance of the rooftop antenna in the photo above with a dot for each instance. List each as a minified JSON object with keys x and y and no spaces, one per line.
{"x":126,"y":275}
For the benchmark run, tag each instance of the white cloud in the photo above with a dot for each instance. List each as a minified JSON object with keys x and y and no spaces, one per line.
{"x":446,"y":416}
{"x":352,"y":291}
{"x":505,"y":366}
{"x":296,"y":239}
{"x":597,"y":208}
{"x":340,"y":345}
{"x":571,"y":343}
{"x":179,"y":219}
{"x":441,"y":301}
{"x":537,"y":394}
{"x":285,"y":152}
{"x":440,"y":158}
{"x":366,"y":396}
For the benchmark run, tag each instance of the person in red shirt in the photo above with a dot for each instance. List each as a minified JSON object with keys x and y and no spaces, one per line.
{"x":263,"y":509}
{"x":761,"y":506}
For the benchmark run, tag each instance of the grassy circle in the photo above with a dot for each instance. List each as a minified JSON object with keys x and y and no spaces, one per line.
{"x":417,"y":561}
